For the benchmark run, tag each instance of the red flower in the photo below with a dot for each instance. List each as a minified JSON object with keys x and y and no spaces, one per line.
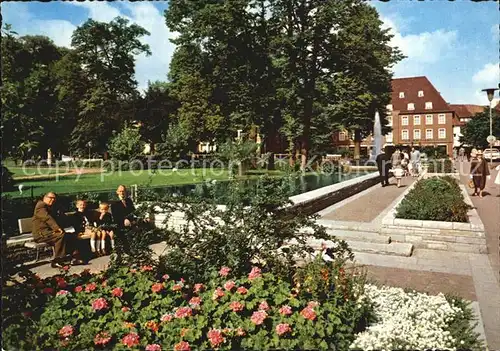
{"x":118,"y":292}
{"x":167,"y":317}
{"x":312,"y":304}
{"x":153,"y":347}
{"x":236,"y":306}
{"x":242,"y":290}
{"x":240,"y":332}
{"x":66,"y":268}
{"x":215,"y":337}
{"x":264,"y":306}
{"x":133,"y":270}
{"x":308,"y":313}
{"x":48,"y":291}
{"x":258,"y":317}
{"x":254,"y":273}
{"x":128,"y":324}
{"x":177,"y":287}
{"x":157,"y":287}
{"x":195,"y":301}
{"x":198,"y":287}
{"x":283,"y":328}
{"x":182,"y":346}
{"x":286,"y":310}
{"x":229,"y":285}
{"x":224,"y":271}
{"x":130,"y":340}
{"x":99,"y":304}
{"x":165,"y":277}
{"x":125,"y":309}
{"x":183,"y":312}
{"x":102,"y":338}
{"x":78,"y":289}
{"x":152,"y":325}
{"x":66,"y":331}
{"x":90,"y":287}
{"x":217,"y":294}
{"x":62,"y":292}
{"x":61,"y":283}
{"x":146,"y":268}
{"x":27,"y":314}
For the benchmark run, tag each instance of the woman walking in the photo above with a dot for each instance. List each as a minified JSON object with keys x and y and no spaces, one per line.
{"x":396,"y":166}
{"x":478,"y":172}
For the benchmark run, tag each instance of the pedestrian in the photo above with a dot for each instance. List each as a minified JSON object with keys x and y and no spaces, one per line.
{"x":461,"y":154}
{"x":397,"y":167}
{"x":454,"y":154}
{"x":479,"y":172}
{"x":383,"y":165}
{"x":415,"y":161}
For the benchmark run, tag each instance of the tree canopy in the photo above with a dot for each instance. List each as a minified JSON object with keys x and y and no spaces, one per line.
{"x":475,"y":132}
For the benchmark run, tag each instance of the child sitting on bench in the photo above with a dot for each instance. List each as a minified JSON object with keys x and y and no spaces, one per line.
{"x":105,"y":223}
{"x":85,"y":225}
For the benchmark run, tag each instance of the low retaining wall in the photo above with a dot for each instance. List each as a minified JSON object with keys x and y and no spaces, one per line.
{"x":310,"y":202}
{"x":436,"y":235}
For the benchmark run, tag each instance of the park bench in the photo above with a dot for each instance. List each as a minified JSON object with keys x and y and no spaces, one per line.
{"x":25,"y":229}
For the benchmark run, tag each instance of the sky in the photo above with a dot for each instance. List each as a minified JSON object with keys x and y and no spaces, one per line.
{"x":455,"y":44}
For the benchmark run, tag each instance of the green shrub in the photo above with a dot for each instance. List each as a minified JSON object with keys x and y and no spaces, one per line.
{"x":462,"y":327}
{"x":434,"y":199}
{"x":229,"y":312}
{"x":440,"y":166}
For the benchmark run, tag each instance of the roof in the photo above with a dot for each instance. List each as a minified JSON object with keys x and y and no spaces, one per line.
{"x":466,"y":110}
{"x":410,"y":87}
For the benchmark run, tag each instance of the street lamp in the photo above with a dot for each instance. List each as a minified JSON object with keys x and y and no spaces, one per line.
{"x":490,"y":92}
{"x":89,"y":145}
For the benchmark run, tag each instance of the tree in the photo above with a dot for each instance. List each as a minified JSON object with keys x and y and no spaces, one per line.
{"x":477,"y":129}
{"x":126,"y":145}
{"x":106,"y":53}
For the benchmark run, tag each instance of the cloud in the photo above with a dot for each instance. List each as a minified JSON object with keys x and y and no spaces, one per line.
{"x":488,"y":76}
{"x":99,"y":11}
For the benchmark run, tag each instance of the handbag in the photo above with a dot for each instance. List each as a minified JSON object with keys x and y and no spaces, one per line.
{"x":471,"y":184}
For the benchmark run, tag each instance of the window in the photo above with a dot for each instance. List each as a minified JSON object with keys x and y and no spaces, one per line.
{"x":411,"y":106}
{"x":442,"y":118}
{"x":341,"y":136}
{"x":388,"y":137}
{"x":442,"y":133}
{"x":402,"y":95}
{"x":428,"y":105}
{"x":416,"y":120}
{"x":416,"y":134}
{"x":404,"y":120}
{"x":404,"y":134}
{"x":389,"y":120}
{"x":429,"y":134}
{"x":389,"y":107}
{"x":429,"y":119}
{"x":420,"y":93}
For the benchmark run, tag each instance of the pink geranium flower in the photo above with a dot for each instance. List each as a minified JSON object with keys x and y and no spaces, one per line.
{"x":182,"y":346}
{"x":146,"y":268}
{"x":165,"y":277}
{"x":313,"y":304}
{"x":90,"y":287}
{"x":118,"y":292}
{"x":125,"y":309}
{"x":102,"y":338}
{"x":286,"y":310}
{"x":78,"y":289}
{"x":99,"y":304}
{"x":195,"y":301}
{"x":224,"y":271}
{"x":66,"y":331}
{"x":130,"y":340}
{"x":283,"y":329}
{"x":153,"y":347}
{"x":258,"y":317}
{"x":177,"y":287}
{"x":48,"y":291}
{"x":152,"y":325}
{"x":308,"y":313}
{"x":157,"y":287}
{"x":254,"y":273}
{"x":218,"y":293}
{"x":264,"y":306}
{"x":229,"y":285}
{"x":183,"y":312}
{"x":61,"y":283}
{"x":242,"y":290}
{"x":240,"y":332}
{"x":215,"y":337}
{"x":167,"y":317}
{"x":236,"y":306}
{"x":198,"y":287}
{"x":62,"y":292}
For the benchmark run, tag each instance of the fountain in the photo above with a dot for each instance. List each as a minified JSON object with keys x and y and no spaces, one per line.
{"x":377,"y":137}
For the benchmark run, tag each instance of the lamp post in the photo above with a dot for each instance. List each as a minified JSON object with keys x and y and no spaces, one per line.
{"x":490,"y":92}
{"x":89,"y":145}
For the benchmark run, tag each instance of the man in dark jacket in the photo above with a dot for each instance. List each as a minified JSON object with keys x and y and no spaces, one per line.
{"x":47,"y":228}
{"x":123,"y":210}
{"x":383,"y":165}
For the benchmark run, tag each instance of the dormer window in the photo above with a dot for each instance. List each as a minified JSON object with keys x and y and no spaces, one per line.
{"x":389,"y":107}
{"x":402,"y":95}
{"x":411,"y":106}
{"x":420,"y":93}
{"x":428,"y":105}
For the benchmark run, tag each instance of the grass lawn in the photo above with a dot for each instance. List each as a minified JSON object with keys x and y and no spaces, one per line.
{"x":109,"y":181}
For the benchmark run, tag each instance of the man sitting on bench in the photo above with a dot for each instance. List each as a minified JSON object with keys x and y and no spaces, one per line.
{"x":47,"y":228}
{"x":123,"y":210}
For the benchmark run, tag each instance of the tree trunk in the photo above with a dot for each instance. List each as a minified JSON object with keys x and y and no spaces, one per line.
{"x":357,"y":144}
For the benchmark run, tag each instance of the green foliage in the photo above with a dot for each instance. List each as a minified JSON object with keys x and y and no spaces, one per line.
{"x":435,"y":199}
{"x":126,"y":145}
{"x":255,"y":226}
{"x":165,"y":311}
{"x":175,"y":143}
{"x":434,"y":152}
{"x":238,"y":154}
{"x":7,"y":180}
{"x":440,"y":166}
{"x":476,"y":131}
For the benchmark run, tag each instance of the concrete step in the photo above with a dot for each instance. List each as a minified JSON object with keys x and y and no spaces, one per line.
{"x":353,"y":235}
{"x":392,"y":249}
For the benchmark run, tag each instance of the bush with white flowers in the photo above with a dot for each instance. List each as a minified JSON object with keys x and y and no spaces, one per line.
{"x":409,"y":320}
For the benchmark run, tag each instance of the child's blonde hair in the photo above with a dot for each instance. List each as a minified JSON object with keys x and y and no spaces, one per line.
{"x":104,"y":206}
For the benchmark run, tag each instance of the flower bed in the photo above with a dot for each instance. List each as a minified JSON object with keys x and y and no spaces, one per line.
{"x":434,"y":199}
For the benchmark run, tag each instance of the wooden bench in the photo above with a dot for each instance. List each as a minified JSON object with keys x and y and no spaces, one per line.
{"x":25,"y":229}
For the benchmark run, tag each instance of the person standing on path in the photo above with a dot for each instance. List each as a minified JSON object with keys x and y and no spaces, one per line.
{"x":383,"y":165}
{"x":461,"y":154}
{"x":479,"y":172}
{"x":415,"y":162}
{"x":396,"y":166}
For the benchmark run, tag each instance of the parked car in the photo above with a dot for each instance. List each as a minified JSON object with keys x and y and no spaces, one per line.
{"x":491,"y":154}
